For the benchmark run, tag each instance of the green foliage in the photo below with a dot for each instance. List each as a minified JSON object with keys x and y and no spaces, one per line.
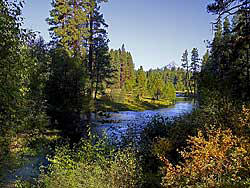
{"x":186,"y":66}
{"x":66,"y":90}
{"x":169,"y":91}
{"x":104,"y":71}
{"x":194,"y":67}
{"x":93,"y":163}
{"x":66,"y":20}
{"x":227,"y":68}
{"x":118,"y":95}
{"x":21,"y":91}
{"x":141,"y":81}
{"x":155,"y":85}
{"x":122,"y":61}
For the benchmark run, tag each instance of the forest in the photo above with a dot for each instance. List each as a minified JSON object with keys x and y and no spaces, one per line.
{"x":50,"y":92}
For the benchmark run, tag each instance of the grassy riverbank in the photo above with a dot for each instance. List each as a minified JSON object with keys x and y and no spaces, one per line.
{"x":131,"y":104}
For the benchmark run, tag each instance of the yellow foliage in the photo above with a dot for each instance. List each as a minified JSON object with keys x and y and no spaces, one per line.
{"x":216,"y":159}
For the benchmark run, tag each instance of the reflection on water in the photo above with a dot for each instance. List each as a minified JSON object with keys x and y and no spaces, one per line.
{"x":140,"y":119}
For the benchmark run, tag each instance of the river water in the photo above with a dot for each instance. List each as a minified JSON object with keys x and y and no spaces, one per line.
{"x":119,"y":122}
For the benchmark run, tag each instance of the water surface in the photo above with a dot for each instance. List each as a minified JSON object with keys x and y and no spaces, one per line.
{"x":119,"y":122}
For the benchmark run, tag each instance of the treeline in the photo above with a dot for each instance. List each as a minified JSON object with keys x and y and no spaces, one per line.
{"x":155,"y":83}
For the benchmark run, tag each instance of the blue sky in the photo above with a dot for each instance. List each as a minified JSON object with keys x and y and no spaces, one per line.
{"x":156,"y":32}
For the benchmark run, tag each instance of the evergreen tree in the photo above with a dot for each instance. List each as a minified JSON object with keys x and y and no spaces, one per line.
{"x":169,"y":91}
{"x":96,"y":29}
{"x":103,"y":68}
{"x":116,"y":65}
{"x":205,"y":58}
{"x":155,"y":85}
{"x":66,"y":91}
{"x":68,"y":20}
{"x":194,"y":67}
{"x":186,"y":67}
{"x":227,"y":71}
{"x":141,"y":81}
{"x":67,"y":84}
{"x":123,"y":65}
{"x":130,"y":74}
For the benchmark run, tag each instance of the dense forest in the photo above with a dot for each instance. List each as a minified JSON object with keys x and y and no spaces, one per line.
{"x":156,"y":84}
{"x":49,"y":92}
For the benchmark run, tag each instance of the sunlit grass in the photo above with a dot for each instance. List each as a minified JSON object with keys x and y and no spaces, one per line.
{"x":145,"y":103}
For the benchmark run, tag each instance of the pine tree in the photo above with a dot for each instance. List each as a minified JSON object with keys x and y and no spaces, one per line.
{"x":186,"y":66}
{"x":205,"y":59}
{"x":96,"y":28}
{"x":141,"y":81}
{"x":130,"y":74}
{"x":229,"y":60}
{"x":194,"y":67}
{"x":68,"y":20}
{"x":155,"y":84}
{"x":115,"y":60}
{"x":123,"y":66}
{"x":68,"y":82}
{"x":104,"y":71}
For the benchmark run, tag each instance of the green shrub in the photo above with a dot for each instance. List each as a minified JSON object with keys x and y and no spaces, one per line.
{"x":92,"y":163}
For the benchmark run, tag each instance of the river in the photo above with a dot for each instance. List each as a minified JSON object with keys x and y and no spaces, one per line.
{"x":119,"y":122}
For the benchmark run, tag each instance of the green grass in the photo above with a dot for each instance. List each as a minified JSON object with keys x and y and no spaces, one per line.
{"x":131,"y":104}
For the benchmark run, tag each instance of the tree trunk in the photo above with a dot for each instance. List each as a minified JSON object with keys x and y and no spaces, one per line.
{"x":91,"y":71}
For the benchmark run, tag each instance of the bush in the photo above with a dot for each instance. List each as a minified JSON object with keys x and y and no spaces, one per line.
{"x":165,"y":137}
{"x":93,"y":163}
{"x":217,"y":159}
{"x":174,"y":131}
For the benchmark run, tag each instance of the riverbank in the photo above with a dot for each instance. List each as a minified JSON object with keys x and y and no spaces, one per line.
{"x":131,"y":104}
{"x":27,"y":154}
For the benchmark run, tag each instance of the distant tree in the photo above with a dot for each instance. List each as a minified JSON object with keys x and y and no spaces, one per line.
{"x":186,"y":67}
{"x":123,"y":66}
{"x":141,"y":81}
{"x":130,"y":82}
{"x":169,"y":91}
{"x":194,"y":67}
{"x":155,"y":85}
{"x":115,"y":61}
